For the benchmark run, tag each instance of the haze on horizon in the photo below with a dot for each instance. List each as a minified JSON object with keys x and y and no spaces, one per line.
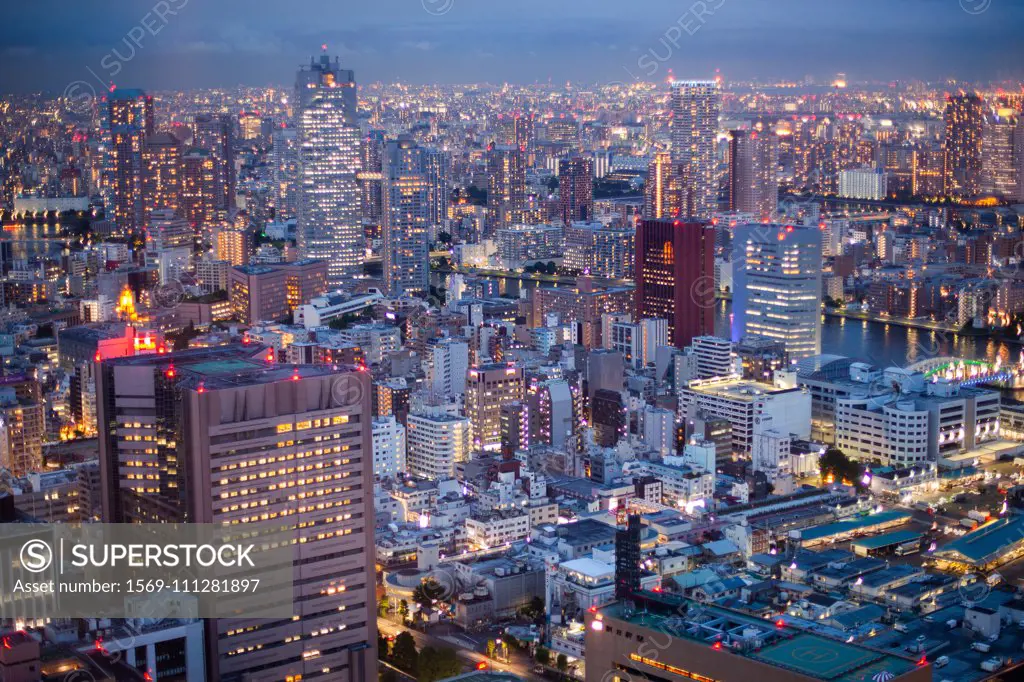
{"x":48,"y":43}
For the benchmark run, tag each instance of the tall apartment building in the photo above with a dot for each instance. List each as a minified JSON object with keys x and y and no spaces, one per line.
{"x":506,"y":185}
{"x":777,"y":276}
{"x":215,"y":436}
{"x":389,"y":447}
{"x":599,"y":250}
{"x":216,"y":134}
{"x":161,"y":178}
{"x":675,"y":271}
{"x":406,"y":211}
{"x":753,"y":173}
{"x":436,"y":443}
{"x":695,"y":109}
{"x":965,"y":122}
{"x":130,"y":118}
{"x":488,"y":387}
{"x":576,"y":189}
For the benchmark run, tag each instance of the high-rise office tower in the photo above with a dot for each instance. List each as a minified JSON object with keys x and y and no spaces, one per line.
{"x":777,"y":286}
{"x":523,"y":132}
{"x":661,"y":190}
{"x":564,"y":130}
{"x":329,"y":226}
{"x":215,"y":133}
{"x":438,"y":163}
{"x":199,"y":190}
{"x":131,"y":123}
{"x":216,"y":436}
{"x":405,"y":212}
{"x":1018,"y":159}
{"x":506,"y":185}
{"x":488,"y":387}
{"x":675,"y":272}
{"x":695,"y":109}
{"x":576,"y":189}
{"x":965,"y":121}
{"x":161,"y":178}
{"x":370,"y":177}
{"x":998,"y":164}
{"x":753,"y":177}
{"x":285,"y":157}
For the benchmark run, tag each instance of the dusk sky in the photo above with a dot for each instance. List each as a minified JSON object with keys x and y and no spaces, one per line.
{"x":48,"y":43}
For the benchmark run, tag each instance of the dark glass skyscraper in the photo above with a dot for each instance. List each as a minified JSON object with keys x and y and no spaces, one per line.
{"x":675,"y":277}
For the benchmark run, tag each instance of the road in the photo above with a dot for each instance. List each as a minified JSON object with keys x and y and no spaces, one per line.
{"x":927,"y":325}
{"x":470,"y":658}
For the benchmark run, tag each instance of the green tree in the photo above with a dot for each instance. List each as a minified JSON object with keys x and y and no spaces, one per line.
{"x":383,"y":606}
{"x":426,"y":594}
{"x":836,"y":464}
{"x":543,"y":655}
{"x":383,"y":649}
{"x":404,"y":654}
{"x":437,"y":664}
{"x":562,"y":663}
{"x":387,"y":675}
{"x":491,"y":646}
{"x":403,"y":610}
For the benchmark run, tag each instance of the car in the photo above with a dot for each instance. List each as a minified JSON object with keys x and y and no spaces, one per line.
{"x":539,"y":670}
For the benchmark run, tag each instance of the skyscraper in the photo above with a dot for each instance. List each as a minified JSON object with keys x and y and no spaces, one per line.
{"x":753,"y":178}
{"x":217,"y":436}
{"x":215,"y":133}
{"x":965,"y":121}
{"x":506,"y":185}
{"x":576,"y":188}
{"x":161,"y":179}
{"x":285,"y":156}
{"x":999,"y":163}
{"x":661,"y":189}
{"x":777,"y":292}
{"x":131,"y":123}
{"x":329,"y":225}
{"x":675,"y":272}
{"x":199,"y":190}
{"x":405,"y":193}
{"x":438,"y":163}
{"x":370,"y":177}
{"x":695,"y":109}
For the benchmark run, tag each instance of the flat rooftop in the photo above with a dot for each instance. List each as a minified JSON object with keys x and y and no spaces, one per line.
{"x":737,"y":389}
{"x":787,"y":647}
{"x":987,"y":543}
{"x":897,"y":537}
{"x":853,"y":525}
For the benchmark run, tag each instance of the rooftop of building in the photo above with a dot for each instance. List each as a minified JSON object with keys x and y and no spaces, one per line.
{"x":897,"y":537}
{"x":854,"y":525}
{"x":783,"y":647}
{"x":734,"y":388}
{"x":227,"y":366}
{"x":987,"y":543}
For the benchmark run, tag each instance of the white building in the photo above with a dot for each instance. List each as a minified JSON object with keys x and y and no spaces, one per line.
{"x":377,"y":340}
{"x":777,"y":296}
{"x":388,"y":447}
{"x":714,"y":356}
{"x":436,"y":443}
{"x":659,"y":427}
{"x":496,"y":528}
{"x":448,"y":364}
{"x":914,"y":427}
{"x":600,"y":250}
{"x":741,"y":402}
{"x":638,"y":342}
{"x":863,"y":183}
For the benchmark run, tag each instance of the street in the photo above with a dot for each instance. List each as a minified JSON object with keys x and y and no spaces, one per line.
{"x":521,"y":664}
